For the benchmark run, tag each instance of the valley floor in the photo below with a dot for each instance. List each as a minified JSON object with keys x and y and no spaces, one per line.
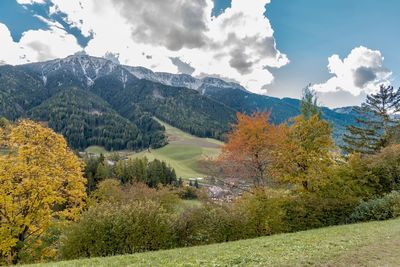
{"x":366,"y":244}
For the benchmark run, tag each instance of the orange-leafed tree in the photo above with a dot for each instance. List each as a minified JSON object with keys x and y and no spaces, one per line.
{"x":41,"y":180}
{"x":249,"y":151}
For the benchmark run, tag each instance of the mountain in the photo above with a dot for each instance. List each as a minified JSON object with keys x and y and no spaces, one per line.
{"x":86,"y":94}
{"x":93,"y":100}
{"x":183,"y":80}
{"x":238,"y":98}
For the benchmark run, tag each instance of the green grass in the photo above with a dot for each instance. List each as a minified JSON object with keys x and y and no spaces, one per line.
{"x":96,"y":150}
{"x":183,"y":152}
{"x":366,"y":244}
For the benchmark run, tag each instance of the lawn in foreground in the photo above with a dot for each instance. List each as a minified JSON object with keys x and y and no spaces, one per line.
{"x":366,"y":244}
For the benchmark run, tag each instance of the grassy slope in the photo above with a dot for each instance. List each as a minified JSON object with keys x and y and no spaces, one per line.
{"x":183,"y":151}
{"x":367,"y":244}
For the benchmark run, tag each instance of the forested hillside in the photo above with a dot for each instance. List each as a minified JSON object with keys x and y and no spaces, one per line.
{"x":85,"y":119}
{"x":93,"y":101}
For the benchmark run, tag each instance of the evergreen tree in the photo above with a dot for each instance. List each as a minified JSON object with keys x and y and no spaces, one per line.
{"x":374,"y":122}
{"x":309,"y":103}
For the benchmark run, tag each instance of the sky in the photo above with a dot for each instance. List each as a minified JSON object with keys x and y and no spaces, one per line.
{"x":344,"y":48}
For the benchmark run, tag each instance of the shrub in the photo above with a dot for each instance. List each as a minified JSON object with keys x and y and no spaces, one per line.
{"x":208,"y":224}
{"x":308,"y":212}
{"x":262,"y":211}
{"x":108,"y":229}
{"x":383,"y":208}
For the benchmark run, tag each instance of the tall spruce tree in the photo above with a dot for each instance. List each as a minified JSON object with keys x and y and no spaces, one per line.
{"x":374,"y":122}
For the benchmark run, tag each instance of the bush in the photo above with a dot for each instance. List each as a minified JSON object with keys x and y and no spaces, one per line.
{"x":386,"y":207}
{"x":209,"y":224}
{"x":262,"y":211}
{"x":308,"y":211}
{"x":109,"y":229}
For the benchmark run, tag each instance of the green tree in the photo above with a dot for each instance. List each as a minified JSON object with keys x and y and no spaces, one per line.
{"x":374,"y":122}
{"x":309,"y":103}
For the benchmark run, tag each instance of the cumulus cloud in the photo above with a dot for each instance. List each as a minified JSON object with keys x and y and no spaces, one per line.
{"x":362,"y":71}
{"x":165,"y":35}
{"x":171,"y":23}
{"x":36,"y":45}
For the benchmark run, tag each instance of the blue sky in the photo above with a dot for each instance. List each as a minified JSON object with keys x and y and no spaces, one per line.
{"x":306,"y":32}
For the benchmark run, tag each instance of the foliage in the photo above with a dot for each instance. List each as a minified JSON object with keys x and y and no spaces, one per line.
{"x":305,"y":153}
{"x":309,"y":104}
{"x":383,"y":208}
{"x":40,"y":179}
{"x":183,"y":108}
{"x":262,"y":211}
{"x":108,"y":229}
{"x":209,"y":224}
{"x":385,"y":165}
{"x":247,"y":154}
{"x":374,"y":122}
{"x":111,"y":191}
{"x":308,"y":211}
{"x":86,"y":120}
{"x":136,"y":170}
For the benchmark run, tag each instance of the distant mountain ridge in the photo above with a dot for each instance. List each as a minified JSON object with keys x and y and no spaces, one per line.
{"x":130,"y":97}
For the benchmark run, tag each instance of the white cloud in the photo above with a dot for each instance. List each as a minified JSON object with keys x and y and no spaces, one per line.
{"x":362,"y":71}
{"x":36,"y":45}
{"x":30,"y":2}
{"x":238,"y":44}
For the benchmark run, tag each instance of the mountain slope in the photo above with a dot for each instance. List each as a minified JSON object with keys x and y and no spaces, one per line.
{"x":40,"y":89}
{"x":18,"y":92}
{"x":85,"y":120}
{"x":183,"y":108}
{"x":238,"y":98}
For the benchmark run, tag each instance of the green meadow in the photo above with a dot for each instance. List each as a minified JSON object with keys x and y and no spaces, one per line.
{"x":365,"y":244}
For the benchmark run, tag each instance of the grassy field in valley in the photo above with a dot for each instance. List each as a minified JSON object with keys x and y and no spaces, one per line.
{"x":366,"y":244}
{"x":182,"y":152}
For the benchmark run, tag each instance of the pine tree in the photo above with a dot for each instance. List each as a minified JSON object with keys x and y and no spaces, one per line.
{"x":374,"y":122}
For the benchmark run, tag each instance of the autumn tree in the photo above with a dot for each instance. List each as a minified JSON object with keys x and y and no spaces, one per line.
{"x":374,"y":122}
{"x":40,"y":180}
{"x":248,"y":152}
{"x":306,"y":152}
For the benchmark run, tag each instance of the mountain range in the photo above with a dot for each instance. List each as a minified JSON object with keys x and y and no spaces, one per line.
{"x":94,"y":101}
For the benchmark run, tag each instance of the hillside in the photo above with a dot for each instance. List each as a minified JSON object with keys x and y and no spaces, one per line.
{"x":86,"y":120}
{"x":41,"y":86}
{"x":183,"y":151}
{"x":366,"y":244}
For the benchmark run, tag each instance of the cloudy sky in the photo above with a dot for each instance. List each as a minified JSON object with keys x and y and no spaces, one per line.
{"x":345,"y":48}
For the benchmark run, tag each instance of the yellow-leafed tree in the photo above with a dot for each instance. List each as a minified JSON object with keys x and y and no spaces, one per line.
{"x":306,"y":153}
{"x":40,"y":180}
